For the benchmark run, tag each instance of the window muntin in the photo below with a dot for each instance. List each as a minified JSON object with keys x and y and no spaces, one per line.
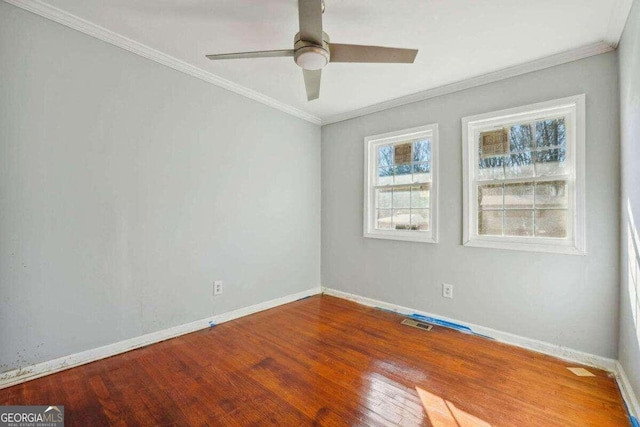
{"x":522,"y":190}
{"x":527,"y":193}
{"x":399,"y":201}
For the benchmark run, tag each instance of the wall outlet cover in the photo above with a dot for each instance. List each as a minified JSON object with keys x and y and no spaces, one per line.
{"x":217,"y":287}
{"x":447,"y":290}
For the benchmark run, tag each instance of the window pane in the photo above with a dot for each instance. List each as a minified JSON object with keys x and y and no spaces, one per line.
{"x":490,"y":223}
{"x":518,"y":196}
{"x":422,"y":151}
{"x":518,"y":223}
{"x":402,"y":197}
{"x":422,"y":172}
{"x":551,"y":133}
{"x":490,"y":196}
{"x":420,"y":219}
{"x":385,"y":156}
{"x":421,"y":167}
{"x":402,"y":219}
{"x":552,"y":162}
{"x":519,"y":165}
{"x":385,"y":176}
{"x":403,"y":174}
{"x":384,"y":220}
{"x":551,"y":223}
{"x":491,"y":168}
{"x":383,"y":199}
{"x":552,"y":194}
{"x":420,"y":196}
{"x":521,"y":138}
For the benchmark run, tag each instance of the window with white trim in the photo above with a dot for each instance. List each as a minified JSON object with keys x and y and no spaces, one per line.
{"x":401,"y":185}
{"x":524,"y":178}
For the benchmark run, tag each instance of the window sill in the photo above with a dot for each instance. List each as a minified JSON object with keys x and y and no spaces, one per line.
{"x":526,"y":246}
{"x":406,"y":236}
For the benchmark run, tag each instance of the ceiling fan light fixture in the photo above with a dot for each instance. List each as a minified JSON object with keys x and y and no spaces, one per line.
{"x":311,"y":57}
{"x":312,"y":49}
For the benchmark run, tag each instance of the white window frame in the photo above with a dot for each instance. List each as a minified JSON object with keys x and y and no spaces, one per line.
{"x":371,"y":143}
{"x":573,"y":109}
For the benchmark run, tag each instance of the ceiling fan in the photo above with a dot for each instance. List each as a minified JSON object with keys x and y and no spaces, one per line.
{"x":312,"y":49}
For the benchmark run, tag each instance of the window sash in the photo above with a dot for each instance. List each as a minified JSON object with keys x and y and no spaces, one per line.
{"x":411,"y":184}
{"x":572,"y":110}
{"x":568,"y":178}
{"x":371,"y":181}
{"x":546,"y":178}
{"x":569,"y":118}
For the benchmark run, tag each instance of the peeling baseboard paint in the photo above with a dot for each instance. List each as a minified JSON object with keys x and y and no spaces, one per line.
{"x":634,"y":420}
{"x":628,"y":395}
{"x":16,"y":373}
{"x":27,"y":373}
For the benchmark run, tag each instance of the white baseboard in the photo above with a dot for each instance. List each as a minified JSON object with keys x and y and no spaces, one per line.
{"x":505,"y":337}
{"x":627,"y":391}
{"x":17,"y":376}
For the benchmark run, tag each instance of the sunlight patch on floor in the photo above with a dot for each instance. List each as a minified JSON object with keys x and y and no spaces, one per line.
{"x":443,"y":413}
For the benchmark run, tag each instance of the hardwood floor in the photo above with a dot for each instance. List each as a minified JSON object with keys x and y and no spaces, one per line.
{"x":327,"y":362}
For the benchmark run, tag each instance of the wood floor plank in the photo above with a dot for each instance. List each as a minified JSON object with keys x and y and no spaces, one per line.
{"x":324,"y":361}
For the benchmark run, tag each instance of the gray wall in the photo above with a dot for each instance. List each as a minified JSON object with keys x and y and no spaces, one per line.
{"x":562,"y":299}
{"x":127,"y":188}
{"x":629,"y":62}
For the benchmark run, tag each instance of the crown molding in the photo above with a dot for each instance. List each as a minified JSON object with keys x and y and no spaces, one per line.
{"x":617,"y":21}
{"x":615,"y":28}
{"x":505,"y":73}
{"x":101,"y":33}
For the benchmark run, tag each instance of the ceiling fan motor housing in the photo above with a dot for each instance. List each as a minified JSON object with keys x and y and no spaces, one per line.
{"x":311,"y":56}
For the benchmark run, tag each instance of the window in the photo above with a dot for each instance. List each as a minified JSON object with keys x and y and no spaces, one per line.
{"x":401,"y":185}
{"x":633,"y":269}
{"x":524,"y":178}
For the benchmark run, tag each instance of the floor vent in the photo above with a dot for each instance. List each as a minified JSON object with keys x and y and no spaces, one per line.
{"x":419,"y":325}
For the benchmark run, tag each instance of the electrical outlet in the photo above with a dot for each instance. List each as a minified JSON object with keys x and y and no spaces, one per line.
{"x":447,"y":290}
{"x":217,"y":287}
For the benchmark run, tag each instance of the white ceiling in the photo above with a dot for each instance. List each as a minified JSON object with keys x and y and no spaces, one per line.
{"x":457,"y":40}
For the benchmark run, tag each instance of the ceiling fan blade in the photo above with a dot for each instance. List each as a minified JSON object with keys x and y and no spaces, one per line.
{"x":258,"y":54}
{"x":362,"y":53}
{"x":312,"y":83}
{"x":310,"y":16}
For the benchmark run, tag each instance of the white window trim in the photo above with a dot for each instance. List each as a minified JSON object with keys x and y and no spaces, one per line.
{"x":574,"y":108}
{"x":370,"y":143}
